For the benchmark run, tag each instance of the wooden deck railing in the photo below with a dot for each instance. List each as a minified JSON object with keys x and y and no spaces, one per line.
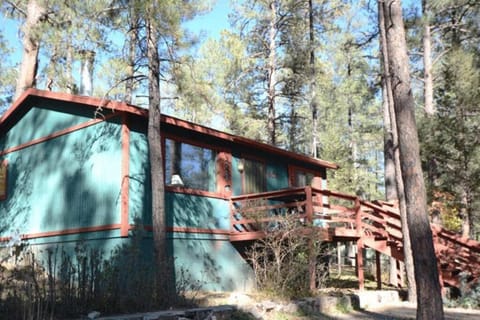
{"x":345,"y":217}
{"x":458,"y":257}
{"x":254,"y":214}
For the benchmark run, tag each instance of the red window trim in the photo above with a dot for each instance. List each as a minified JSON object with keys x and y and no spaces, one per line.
{"x":196,"y":192}
{"x":293,"y":168}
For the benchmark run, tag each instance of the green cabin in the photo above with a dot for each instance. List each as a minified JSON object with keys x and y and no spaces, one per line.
{"x":76,"y":169}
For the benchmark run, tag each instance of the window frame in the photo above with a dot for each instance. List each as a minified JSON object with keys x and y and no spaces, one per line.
{"x":262,"y":161}
{"x":223,"y":168}
{"x":292,"y":174}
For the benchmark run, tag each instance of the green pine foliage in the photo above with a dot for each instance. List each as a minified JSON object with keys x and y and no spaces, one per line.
{"x":8,"y":72}
{"x":449,"y":138}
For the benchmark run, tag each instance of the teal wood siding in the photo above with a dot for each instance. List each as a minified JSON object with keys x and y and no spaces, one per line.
{"x":39,"y":123}
{"x":140,"y":207}
{"x":193,"y":211}
{"x":72,"y":181}
{"x":208,"y":259}
{"x":277,"y":176}
{"x":212,"y":261}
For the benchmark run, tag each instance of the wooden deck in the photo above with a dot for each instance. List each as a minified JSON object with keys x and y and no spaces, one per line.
{"x":341,"y":217}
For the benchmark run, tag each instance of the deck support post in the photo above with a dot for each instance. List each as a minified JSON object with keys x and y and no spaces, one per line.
{"x":400,"y":274}
{"x":378,"y":269}
{"x":339,"y":259}
{"x":359,"y":263}
{"x":359,"y":255}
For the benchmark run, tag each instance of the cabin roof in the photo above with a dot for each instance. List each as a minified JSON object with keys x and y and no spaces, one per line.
{"x":32,"y":96}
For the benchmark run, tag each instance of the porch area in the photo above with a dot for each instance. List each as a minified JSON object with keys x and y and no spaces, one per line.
{"x":332,"y":216}
{"x":338,"y":217}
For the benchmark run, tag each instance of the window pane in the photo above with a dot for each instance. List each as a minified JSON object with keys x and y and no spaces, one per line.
{"x":303,"y":178}
{"x":190,"y":166}
{"x":255,"y":178}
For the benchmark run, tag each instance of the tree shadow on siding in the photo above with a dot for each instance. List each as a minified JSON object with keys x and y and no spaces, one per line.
{"x":14,"y":214}
{"x":208,"y":256}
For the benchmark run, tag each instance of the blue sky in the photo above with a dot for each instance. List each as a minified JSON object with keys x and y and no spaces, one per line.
{"x":210,"y":24}
{"x":213,"y":22}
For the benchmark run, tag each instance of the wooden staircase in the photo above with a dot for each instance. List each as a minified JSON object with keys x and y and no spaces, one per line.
{"x":340,"y":217}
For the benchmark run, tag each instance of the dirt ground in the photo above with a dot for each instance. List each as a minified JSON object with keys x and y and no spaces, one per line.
{"x":405,"y":311}
{"x":398,"y":311}
{"x":390,"y":311}
{"x":247,"y":309}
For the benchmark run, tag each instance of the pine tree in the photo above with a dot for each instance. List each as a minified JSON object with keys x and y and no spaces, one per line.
{"x":34,"y":14}
{"x":429,"y":300}
{"x":453,"y":162}
{"x":394,"y":186}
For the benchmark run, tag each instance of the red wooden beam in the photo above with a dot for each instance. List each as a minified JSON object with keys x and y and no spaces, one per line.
{"x":359,"y":264}
{"x":55,"y":135}
{"x":56,"y":233}
{"x":125,"y":179}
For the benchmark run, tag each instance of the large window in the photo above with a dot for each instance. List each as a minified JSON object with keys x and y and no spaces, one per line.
{"x":301,"y":177}
{"x":190,"y":166}
{"x":254,"y":176}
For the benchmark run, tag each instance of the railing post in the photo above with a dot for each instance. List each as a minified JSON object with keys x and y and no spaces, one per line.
{"x":359,"y":255}
{"x":358,"y":217}
{"x":231,"y":215}
{"x":359,"y":263}
{"x":378,"y":270}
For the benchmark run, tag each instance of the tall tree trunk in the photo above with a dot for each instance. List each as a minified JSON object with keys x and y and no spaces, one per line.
{"x":389,"y":168}
{"x":465,"y":168}
{"x":292,"y":134}
{"x":427,"y":62}
{"x":389,"y":147}
{"x":429,"y":298}
{"x":156,"y":156}
{"x":393,"y":181}
{"x":70,"y":86}
{"x":51,"y":73}
{"x":132,"y":45}
{"x":466,"y":211}
{"x":313,"y":74}
{"x":272,"y":73}
{"x":31,"y":45}
{"x":86,"y":76}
